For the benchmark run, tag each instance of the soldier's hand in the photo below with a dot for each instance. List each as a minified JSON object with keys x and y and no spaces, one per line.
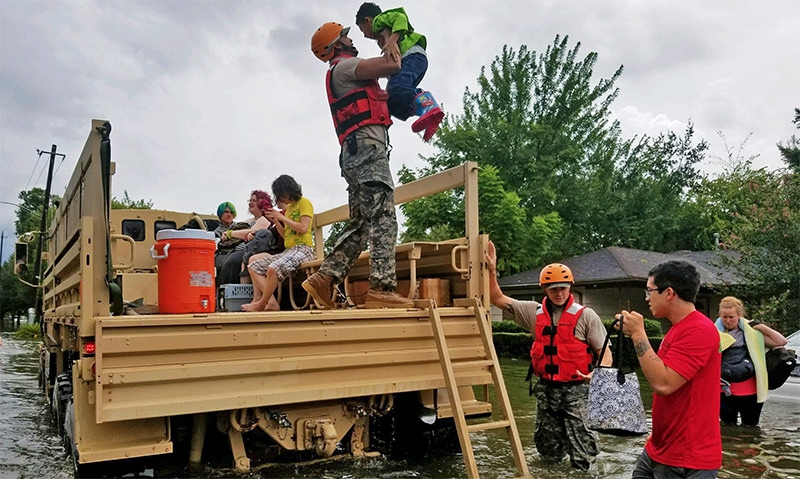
{"x":491,"y":258}
{"x":586,"y":377}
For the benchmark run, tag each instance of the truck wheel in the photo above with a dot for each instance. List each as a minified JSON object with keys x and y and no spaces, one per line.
{"x":62,"y":394}
{"x":69,"y":432}
{"x":78,"y":470}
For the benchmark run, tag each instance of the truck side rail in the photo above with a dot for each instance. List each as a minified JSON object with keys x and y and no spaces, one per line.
{"x":77,"y":242}
{"x":457,"y":259}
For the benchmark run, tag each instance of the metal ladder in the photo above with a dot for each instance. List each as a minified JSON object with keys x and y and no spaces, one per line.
{"x":449,"y":369}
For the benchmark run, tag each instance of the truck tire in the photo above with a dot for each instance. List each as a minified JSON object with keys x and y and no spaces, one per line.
{"x":69,"y":432}
{"x":78,"y":470}
{"x":62,"y":394}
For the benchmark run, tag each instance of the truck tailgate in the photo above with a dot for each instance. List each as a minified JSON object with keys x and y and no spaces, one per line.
{"x":165,"y":365}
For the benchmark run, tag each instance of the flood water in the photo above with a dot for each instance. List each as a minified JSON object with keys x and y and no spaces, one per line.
{"x":30,"y":448}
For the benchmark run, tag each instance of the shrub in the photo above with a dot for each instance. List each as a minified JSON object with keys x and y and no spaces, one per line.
{"x":512,"y":345}
{"x":28,"y":331}
{"x":507,"y":327}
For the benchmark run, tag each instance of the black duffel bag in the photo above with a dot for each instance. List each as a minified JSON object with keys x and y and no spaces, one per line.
{"x":780,"y":364}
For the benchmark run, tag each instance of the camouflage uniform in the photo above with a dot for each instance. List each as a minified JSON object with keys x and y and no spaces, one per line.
{"x":561,"y":415}
{"x":370,"y":192}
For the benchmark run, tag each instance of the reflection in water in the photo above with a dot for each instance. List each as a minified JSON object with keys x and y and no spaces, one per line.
{"x":770,"y":450}
{"x":29,"y":447}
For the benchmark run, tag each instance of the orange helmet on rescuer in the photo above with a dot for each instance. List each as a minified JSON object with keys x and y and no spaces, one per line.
{"x":325,"y":38}
{"x":555,"y":275}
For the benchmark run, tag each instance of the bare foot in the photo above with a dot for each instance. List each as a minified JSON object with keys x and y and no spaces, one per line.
{"x":272,"y":305}
{"x":252,"y":307}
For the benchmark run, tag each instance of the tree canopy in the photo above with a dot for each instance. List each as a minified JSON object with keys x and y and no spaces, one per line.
{"x":555,"y":165}
{"x":128,"y":203}
{"x":559,"y":179}
{"x":758,"y":212}
{"x":15,"y":296}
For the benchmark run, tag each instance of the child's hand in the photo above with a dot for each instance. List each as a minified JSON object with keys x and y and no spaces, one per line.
{"x":275,"y":215}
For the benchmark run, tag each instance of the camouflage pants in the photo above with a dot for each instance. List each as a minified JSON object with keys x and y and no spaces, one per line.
{"x":561,"y":414}
{"x":373,"y":220}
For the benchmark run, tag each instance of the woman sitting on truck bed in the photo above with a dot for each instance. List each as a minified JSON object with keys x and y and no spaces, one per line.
{"x":228,"y":272}
{"x":267,"y":270}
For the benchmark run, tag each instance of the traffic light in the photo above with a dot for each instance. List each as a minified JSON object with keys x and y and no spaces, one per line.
{"x":20,"y":257}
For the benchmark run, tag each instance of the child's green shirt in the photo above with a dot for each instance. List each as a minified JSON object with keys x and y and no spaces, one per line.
{"x":396,"y":20}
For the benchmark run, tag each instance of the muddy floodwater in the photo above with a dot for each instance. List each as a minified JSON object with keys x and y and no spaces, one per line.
{"x":30,"y":447}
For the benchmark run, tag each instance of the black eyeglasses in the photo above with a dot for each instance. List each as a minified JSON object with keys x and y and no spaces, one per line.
{"x":649,"y":291}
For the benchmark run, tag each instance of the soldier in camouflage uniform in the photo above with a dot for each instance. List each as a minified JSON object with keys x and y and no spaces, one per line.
{"x":361,"y":119}
{"x":562,"y":391}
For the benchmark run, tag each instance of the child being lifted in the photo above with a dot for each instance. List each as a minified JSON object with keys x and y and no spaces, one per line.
{"x":397,"y":39}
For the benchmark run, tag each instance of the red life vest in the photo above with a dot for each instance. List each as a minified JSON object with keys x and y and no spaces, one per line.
{"x":556,"y":353}
{"x":358,"y":107}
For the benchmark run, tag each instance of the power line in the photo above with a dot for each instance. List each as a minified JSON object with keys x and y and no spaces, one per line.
{"x":63,"y":157}
{"x":36,"y":165}
{"x":44,"y":167}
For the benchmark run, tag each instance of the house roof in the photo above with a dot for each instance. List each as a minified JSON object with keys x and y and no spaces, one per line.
{"x":615,"y":264}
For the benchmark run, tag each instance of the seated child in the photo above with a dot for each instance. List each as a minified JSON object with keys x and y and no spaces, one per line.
{"x":267,"y":270}
{"x":397,"y":37}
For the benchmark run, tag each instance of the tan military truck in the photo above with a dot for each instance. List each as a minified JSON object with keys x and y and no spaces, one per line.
{"x":126,"y":382}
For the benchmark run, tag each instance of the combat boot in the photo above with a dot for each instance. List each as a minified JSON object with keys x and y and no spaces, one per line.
{"x":430,"y":115}
{"x":320,"y":287}
{"x":386,"y":299}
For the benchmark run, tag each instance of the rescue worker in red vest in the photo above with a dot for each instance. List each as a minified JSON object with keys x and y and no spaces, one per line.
{"x":361,"y":120}
{"x":566,"y":338}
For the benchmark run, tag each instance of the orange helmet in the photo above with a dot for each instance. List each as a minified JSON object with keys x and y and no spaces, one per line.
{"x":325,"y":37}
{"x":555,"y":273}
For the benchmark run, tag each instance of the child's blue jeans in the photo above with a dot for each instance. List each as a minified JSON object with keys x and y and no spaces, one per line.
{"x":402,"y":86}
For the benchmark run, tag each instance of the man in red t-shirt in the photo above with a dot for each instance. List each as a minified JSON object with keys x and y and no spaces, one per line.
{"x":685,"y":376}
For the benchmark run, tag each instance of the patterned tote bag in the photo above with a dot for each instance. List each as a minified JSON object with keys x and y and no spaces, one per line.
{"x":615,"y":401}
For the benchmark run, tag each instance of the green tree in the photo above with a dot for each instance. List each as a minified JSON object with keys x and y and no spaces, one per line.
{"x":546,"y":128}
{"x":127,"y":203}
{"x":759,"y":215}
{"x":791,"y":150}
{"x":643,"y":199}
{"x":333,"y":235}
{"x":15,"y":296}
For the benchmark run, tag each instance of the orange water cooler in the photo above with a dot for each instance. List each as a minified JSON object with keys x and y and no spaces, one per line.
{"x":186,"y":275}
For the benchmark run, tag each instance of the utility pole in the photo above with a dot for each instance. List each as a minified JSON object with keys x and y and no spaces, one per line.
{"x":43,"y":232}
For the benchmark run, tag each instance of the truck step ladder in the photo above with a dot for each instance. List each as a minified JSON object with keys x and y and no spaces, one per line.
{"x":449,"y":369}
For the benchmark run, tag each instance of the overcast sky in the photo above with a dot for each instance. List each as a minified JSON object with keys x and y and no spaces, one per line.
{"x":211,"y":99}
